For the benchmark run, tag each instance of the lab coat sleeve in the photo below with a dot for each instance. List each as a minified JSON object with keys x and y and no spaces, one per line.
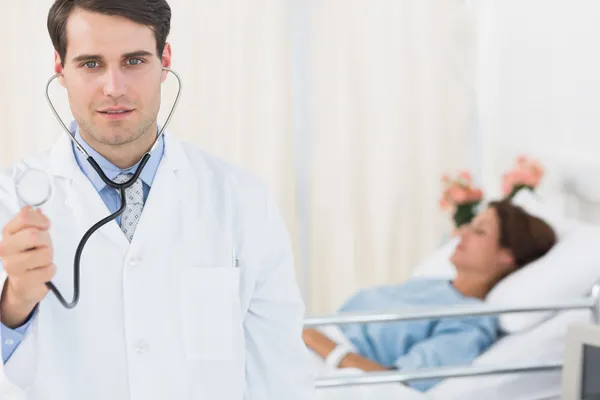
{"x":278,"y":364}
{"x":20,"y":370}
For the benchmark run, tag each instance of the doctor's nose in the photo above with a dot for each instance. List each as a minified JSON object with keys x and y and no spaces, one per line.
{"x":114,"y":85}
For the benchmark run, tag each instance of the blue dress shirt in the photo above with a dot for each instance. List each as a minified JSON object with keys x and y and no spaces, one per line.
{"x":11,"y":338}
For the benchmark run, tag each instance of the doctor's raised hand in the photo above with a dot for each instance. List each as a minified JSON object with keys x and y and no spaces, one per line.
{"x":26,"y":253}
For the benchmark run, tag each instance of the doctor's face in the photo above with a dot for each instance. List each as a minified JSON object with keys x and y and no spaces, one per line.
{"x":113,"y":77}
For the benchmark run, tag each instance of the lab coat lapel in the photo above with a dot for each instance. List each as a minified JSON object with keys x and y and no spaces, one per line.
{"x":178,"y":191}
{"x":188,"y":210}
{"x":80,"y":197}
{"x":185,"y":212}
{"x":163,"y":210}
{"x":88,"y":208}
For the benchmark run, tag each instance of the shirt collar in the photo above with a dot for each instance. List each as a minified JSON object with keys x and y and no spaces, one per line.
{"x":112,"y":171}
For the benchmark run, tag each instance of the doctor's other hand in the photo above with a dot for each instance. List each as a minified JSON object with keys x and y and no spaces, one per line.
{"x":26,"y":253}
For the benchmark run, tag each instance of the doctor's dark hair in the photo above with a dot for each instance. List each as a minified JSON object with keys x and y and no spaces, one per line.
{"x":526,"y":236}
{"x":156,"y":14}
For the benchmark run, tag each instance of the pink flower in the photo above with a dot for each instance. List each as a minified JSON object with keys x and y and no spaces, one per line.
{"x":530,"y":180}
{"x":466,"y":175}
{"x":460,"y":196}
{"x":521,"y":176}
{"x":445,"y":204}
{"x":508,"y":183}
{"x":458,"y":190}
{"x":527,"y":172}
{"x":453,"y":192}
{"x":475,"y":195}
{"x":536,"y":168}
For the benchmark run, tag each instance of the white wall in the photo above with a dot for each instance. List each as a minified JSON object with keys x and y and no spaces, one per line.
{"x":538,"y":81}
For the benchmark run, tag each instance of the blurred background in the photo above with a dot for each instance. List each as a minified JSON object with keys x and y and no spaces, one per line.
{"x":352,"y":110}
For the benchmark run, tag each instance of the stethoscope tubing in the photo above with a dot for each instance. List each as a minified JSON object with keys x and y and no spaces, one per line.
{"x":121,"y":187}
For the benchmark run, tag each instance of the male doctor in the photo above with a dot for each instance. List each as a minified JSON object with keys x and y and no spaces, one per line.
{"x":198,"y":299}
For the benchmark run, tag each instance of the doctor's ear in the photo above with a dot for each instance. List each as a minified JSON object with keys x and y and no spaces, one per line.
{"x":166,"y":61}
{"x":58,"y":68}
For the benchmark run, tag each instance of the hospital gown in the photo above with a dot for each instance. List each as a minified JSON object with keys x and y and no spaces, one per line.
{"x":412,"y":345}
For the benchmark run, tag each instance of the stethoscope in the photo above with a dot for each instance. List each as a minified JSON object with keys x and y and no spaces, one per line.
{"x":34,"y":187}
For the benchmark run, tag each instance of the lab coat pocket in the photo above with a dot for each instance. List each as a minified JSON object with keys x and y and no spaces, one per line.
{"x":210,"y":312}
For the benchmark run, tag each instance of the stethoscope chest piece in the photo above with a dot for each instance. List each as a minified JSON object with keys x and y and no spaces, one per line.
{"x":33,"y":187}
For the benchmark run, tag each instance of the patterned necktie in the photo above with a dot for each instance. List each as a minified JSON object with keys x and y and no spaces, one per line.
{"x":135,"y":205}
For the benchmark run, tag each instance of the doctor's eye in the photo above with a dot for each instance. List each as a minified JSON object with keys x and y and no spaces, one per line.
{"x":91,"y":64}
{"x":135,"y":61}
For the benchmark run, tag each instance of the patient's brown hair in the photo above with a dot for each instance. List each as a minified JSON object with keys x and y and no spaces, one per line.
{"x":526,"y":236}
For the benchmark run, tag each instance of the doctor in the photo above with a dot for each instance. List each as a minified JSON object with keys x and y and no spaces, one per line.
{"x":194,"y":299}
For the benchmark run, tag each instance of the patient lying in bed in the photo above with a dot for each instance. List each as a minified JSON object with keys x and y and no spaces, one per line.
{"x":497,"y":242}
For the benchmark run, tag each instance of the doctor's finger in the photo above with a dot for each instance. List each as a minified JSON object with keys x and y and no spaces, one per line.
{"x":19,"y":263}
{"x":24,"y":240}
{"x":40,"y":275}
{"x":26,"y":218}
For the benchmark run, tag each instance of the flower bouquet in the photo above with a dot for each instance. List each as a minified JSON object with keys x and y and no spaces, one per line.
{"x":460,"y":198}
{"x":527,"y":173}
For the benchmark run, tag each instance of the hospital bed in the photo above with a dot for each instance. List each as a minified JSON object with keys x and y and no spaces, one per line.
{"x":519,"y":366}
{"x":536,"y":306}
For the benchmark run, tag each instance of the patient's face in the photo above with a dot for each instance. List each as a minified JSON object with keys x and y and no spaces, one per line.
{"x":479,"y":248}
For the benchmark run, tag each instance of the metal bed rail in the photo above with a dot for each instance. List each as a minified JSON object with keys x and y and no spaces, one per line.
{"x":592,"y":303}
{"x":433,"y":373}
{"x":447,"y":312}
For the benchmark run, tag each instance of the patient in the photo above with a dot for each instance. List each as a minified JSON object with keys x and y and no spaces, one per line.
{"x":498,"y":241}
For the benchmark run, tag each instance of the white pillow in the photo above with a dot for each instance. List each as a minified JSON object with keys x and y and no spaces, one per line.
{"x":534,"y":205}
{"x":567,"y":272}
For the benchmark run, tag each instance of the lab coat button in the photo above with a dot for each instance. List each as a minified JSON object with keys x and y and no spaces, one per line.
{"x":133,"y":262}
{"x":141,"y":347}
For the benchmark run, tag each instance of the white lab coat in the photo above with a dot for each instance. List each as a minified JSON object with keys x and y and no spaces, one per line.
{"x":169,"y":316}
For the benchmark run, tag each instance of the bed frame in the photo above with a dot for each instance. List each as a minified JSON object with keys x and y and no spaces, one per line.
{"x":592,"y":303}
{"x":572,"y":183}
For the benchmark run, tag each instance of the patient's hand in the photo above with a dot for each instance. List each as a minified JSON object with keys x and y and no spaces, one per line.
{"x":318,"y":342}
{"x":322,"y":345}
